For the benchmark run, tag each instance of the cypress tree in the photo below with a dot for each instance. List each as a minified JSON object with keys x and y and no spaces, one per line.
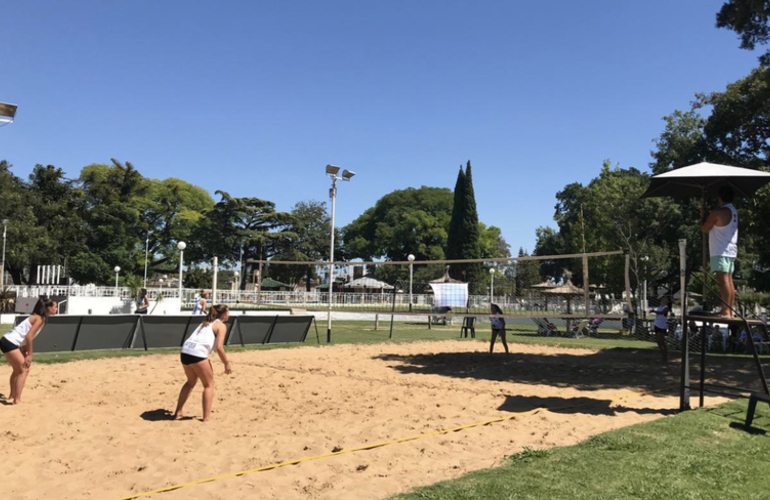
{"x":470,"y":234}
{"x":454,"y":238}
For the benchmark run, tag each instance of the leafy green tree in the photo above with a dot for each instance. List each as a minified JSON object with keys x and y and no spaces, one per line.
{"x":21,"y":232}
{"x":113,"y":202}
{"x":240,"y":229}
{"x":309,"y":242}
{"x":172,"y":211}
{"x":615,"y":218}
{"x":527,"y":272}
{"x":402,"y":222}
{"x":748,"y":18}
{"x":57,"y":207}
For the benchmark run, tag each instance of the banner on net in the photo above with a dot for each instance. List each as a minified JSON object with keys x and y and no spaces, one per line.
{"x":450,"y":294}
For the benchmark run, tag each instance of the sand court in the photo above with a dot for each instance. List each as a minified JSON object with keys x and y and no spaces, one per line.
{"x":102,"y":429}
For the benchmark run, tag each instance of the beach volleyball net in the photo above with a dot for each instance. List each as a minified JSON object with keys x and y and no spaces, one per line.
{"x":576,"y":295}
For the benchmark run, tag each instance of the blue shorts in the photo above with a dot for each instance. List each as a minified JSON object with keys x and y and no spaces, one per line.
{"x":723,"y":264}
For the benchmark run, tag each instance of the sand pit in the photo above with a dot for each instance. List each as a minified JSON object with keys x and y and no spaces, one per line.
{"x":98,"y":429}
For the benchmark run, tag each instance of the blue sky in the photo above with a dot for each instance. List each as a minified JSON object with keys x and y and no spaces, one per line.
{"x":255,"y":98}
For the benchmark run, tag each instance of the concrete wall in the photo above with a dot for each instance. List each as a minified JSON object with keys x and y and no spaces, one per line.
{"x":80,"y":306}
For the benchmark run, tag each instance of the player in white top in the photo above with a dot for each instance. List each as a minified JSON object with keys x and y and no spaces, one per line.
{"x":17,"y":345}
{"x":722,"y":226}
{"x":200,"y":304}
{"x":661,"y":326}
{"x":208,"y":336}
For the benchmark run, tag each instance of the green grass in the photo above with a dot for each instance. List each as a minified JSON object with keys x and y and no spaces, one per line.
{"x":695,"y":455}
{"x":363,"y":332}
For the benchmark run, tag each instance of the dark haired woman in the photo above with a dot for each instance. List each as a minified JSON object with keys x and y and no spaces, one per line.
{"x":17,"y":345}
{"x":142,"y":302}
{"x":498,"y":328}
{"x":200,"y":304}
{"x":208,"y":336}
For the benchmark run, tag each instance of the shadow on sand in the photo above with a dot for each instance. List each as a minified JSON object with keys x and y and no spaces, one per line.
{"x":160,"y":415}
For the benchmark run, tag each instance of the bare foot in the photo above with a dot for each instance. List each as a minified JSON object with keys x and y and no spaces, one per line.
{"x":178,"y":416}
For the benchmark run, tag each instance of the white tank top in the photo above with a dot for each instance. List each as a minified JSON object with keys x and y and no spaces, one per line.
{"x":18,"y":336}
{"x":201,"y":342}
{"x":723,"y":240}
{"x":198,"y":309}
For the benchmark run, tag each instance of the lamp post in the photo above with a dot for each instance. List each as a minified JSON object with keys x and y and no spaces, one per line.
{"x":492,"y":285}
{"x":7,"y":113}
{"x":181,"y":246}
{"x":117,"y":272}
{"x":2,"y":271}
{"x":146,"y":254}
{"x":332,"y":171}
{"x":410,"y":258}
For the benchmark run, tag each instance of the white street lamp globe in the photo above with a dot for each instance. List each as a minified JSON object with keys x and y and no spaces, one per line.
{"x":236,"y":273}
{"x":491,"y":270}
{"x":181,"y":245}
{"x":117,"y":269}
{"x":410,"y":258}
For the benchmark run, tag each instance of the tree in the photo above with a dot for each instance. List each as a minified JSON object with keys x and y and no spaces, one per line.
{"x":114,"y":196}
{"x":57,"y":207}
{"x":239,"y":229}
{"x":402,"y":222}
{"x":464,"y":231}
{"x":310,"y":227}
{"x":21,"y":232}
{"x":615,"y":218}
{"x":172,"y":211}
{"x":748,"y":18}
{"x":527,"y":272}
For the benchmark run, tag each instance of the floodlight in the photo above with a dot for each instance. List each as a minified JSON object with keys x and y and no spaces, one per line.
{"x":7,"y":112}
{"x":347,"y":174}
{"x":332,"y":169}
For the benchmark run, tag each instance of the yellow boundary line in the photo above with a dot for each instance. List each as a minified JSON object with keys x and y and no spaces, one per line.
{"x":370,"y":446}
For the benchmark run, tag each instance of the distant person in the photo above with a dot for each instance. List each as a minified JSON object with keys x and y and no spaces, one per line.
{"x":208,"y":336}
{"x":17,"y":345}
{"x":142,"y":302}
{"x":498,"y":328}
{"x":661,"y":326}
{"x":200,"y":304}
{"x":722,"y":228}
{"x":630,"y":319}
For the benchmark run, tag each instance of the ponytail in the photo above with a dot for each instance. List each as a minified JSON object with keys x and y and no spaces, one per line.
{"x":41,"y":308}
{"x":215,"y":312}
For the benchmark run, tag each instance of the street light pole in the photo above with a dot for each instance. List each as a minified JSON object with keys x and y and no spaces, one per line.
{"x":492,"y":285}
{"x":410,"y":258}
{"x":2,"y":272}
{"x":146,"y":254}
{"x":117,"y":272}
{"x":332,"y":171}
{"x":181,"y":246}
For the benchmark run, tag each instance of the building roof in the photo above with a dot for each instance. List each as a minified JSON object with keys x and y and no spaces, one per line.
{"x":271,"y":283}
{"x":369,"y":282}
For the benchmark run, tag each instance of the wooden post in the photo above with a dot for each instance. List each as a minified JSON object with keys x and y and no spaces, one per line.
{"x":586,"y":295}
{"x":684,"y":387}
{"x":628,"y":281}
{"x":376,"y":321}
{"x":259,"y":283}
